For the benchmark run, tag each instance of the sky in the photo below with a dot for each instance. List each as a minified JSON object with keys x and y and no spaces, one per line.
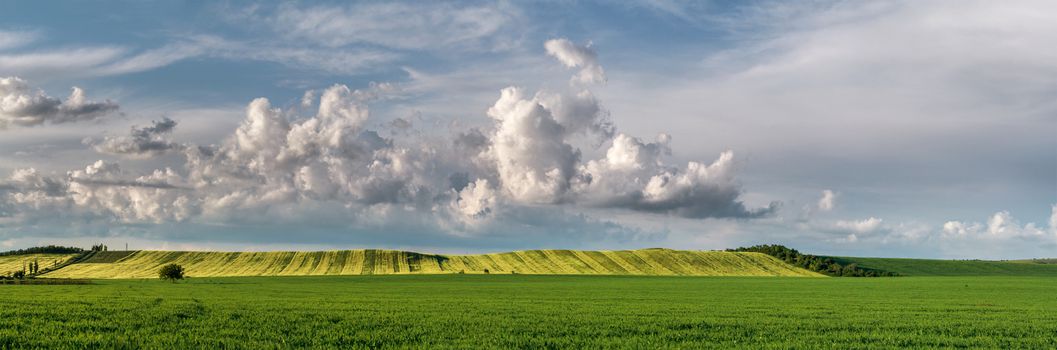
{"x":867,"y":128}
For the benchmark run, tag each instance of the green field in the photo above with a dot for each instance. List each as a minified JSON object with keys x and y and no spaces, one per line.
{"x":532,"y":311}
{"x":144,"y":264}
{"x":930,"y":267}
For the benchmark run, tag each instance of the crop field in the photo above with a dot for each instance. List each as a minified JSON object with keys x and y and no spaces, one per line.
{"x":535,"y":311}
{"x":930,"y":267}
{"x":145,"y":264}
{"x":11,"y":263}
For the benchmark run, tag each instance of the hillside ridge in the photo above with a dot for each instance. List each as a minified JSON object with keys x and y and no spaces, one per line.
{"x":652,"y":261}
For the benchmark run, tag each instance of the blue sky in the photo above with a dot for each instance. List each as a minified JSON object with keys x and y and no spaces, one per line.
{"x":890,"y":128}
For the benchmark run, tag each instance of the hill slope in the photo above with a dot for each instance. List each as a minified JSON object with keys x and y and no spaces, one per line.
{"x":12,"y":263}
{"x":145,"y":264}
{"x":929,"y":267}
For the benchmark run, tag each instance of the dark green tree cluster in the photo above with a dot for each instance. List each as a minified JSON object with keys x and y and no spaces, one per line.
{"x":98,"y":248}
{"x":171,"y":272}
{"x":51,"y":249}
{"x":820,"y":264}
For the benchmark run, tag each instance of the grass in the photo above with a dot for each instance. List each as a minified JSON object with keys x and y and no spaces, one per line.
{"x":526,"y":311}
{"x":1035,"y":261}
{"x":144,"y":264}
{"x":929,"y":267}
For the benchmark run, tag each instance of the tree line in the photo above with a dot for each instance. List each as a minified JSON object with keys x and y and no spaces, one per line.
{"x":50,"y":249}
{"x":821,"y":264}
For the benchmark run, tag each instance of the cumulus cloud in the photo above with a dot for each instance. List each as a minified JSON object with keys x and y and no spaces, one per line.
{"x":100,"y":191}
{"x":1001,"y":226}
{"x":633,"y":175}
{"x":289,"y":166}
{"x":534,"y":161}
{"x":141,"y":142}
{"x":868,"y":225}
{"x":827,"y":201}
{"x":22,"y":105}
{"x":576,"y":56}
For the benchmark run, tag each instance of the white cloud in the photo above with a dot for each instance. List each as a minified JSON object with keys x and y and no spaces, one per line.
{"x":281,"y":167}
{"x":819,"y":71}
{"x":22,"y":105}
{"x":958,"y":228}
{"x":868,"y":225}
{"x":1001,"y":226}
{"x":14,"y":39}
{"x":827,"y":201}
{"x":476,"y":200}
{"x":1053,"y":220}
{"x":394,"y":25}
{"x":116,"y":60}
{"x":534,"y":162}
{"x":69,"y":61}
{"x":574,"y":56}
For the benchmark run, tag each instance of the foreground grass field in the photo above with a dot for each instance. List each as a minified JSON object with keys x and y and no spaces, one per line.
{"x":524,"y":311}
{"x":143,"y":264}
{"x":930,"y":267}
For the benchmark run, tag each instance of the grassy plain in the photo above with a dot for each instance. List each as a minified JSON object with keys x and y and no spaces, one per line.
{"x":144,"y":264}
{"x":931,"y":267}
{"x":533,"y":311}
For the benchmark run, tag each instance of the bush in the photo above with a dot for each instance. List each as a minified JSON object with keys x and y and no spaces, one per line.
{"x":171,"y":272}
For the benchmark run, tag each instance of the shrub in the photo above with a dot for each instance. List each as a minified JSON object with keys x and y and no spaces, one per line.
{"x":171,"y":272}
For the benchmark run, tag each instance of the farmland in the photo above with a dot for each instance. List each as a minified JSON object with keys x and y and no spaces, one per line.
{"x":534,"y":311}
{"x":142,"y":264}
{"x":9,"y":263}
{"x":931,"y":267}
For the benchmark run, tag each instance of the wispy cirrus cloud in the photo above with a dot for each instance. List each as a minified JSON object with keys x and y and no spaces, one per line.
{"x":393,"y":25}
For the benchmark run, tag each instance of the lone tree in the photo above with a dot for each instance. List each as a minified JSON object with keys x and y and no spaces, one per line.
{"x":171,"y":272}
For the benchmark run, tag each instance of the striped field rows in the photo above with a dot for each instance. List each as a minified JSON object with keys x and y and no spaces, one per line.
{"x":12,"y":263}
{"x":145,"y":264}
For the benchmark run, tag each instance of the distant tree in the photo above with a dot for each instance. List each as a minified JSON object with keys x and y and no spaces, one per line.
{"x":171,"y":272}
{"x":486,"y":271}
{"x":19,"y":274}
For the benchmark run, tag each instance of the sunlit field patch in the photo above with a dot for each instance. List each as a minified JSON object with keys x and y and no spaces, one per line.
{"x":145,"y":264}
